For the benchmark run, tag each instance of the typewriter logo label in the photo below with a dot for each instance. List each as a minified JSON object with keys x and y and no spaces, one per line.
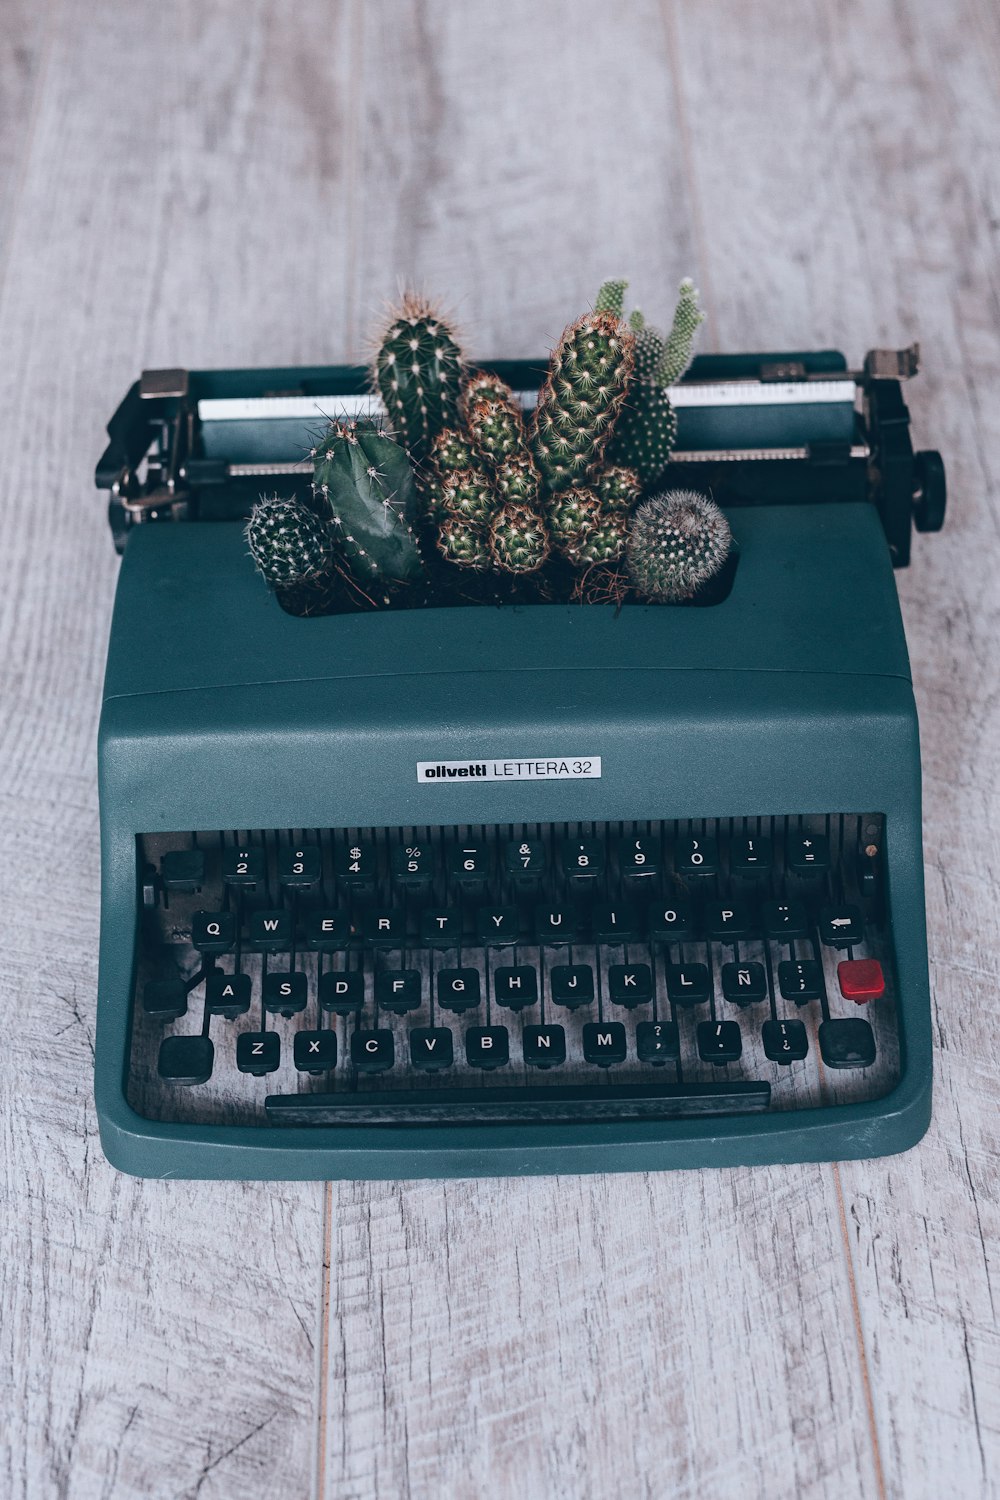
{"x":567,"y":768}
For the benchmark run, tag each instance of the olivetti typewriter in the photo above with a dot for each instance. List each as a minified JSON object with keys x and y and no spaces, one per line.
{"x":525,"y":889}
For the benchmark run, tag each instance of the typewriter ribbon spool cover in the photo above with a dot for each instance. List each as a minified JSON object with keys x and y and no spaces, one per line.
{"x":480,"y":891}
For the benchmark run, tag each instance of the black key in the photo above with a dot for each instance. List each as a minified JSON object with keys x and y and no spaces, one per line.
{"x":227,"y":994}
{"x":784,"y":1041}
{"x":385,"y":929}
{"x":572,"y":985}
{"x":630,"y":984}
{"x":807,"y":853}
{"x":355,"y":867}
{"x":431,"y":1048}
{"x":744,"y":984}
{"x":300,"y":868}
{"x":487,"y":1047}
{"x":688,"y":984}
{"x":497,"y":926}
{"x":525,"y":861}
{"x":186,"y":1059}
{"x":469,"y":866}
{"x":328,"y":931}
{"x":727,"y":920}
{"x":372,"y":1051}
{"x":515,"y":989}
{"x":604,"y":1043}
{"x":183,"y":870}
{"x":258,"y":1052}
{"x":841,"y":926}
{"x":243,"y":867}
{"x":285,"y":994}
{"x":719,"y":1042}
{"x":669,"y":922}
{"x":315,"y":1051}
{"x":413,"y":867}
{"x":617,"y":922}
{"x":657,"y":1042}
{"x":165,"y":999}
{"x":441,"y":928}
{"x":271,"y":931}
{"x":582,"y":860}
{"x":213,"y":931}
{"x":750,"y":856}
{"x":847,"y":1044}
{"x":639,"y":858}
{"x":458,"y":989}
{"x":800,"y":979}
{"x":555,"y":924}
{"x":544,"y":1046}
{"x":697,"y":854}
{"x":398,"y":990}
{"x":342,"y":992}
{"x":784,"y":920}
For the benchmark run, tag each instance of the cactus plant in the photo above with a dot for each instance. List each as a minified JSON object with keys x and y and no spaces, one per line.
{"x":571,"y":515}
{"x":618,"y":489}
{"x":518,"y":479}
{"x":365,"y":482}
{"x":601,"y":543}
{"x":480,"y":385}
{"x":497,"y":430}
{"x":688,"y":318}
{"x":287,"y":542}
{"x":417,"y":371}
{"x":611,"y":297}
{"x":677,"y":541}
{"x":452,"y":449}
{"x":519,"y":539}
{"x":465,"y":545}
{"x":467,"y":494}
{"x":583,"y":392}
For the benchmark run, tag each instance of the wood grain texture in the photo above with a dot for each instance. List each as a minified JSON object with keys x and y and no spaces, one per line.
{"x":216,"y":183}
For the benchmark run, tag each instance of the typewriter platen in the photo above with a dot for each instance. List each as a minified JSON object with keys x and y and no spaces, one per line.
{"x":534,"y":889}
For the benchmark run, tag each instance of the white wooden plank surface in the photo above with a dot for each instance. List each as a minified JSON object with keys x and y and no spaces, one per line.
{"x":215,"y":183}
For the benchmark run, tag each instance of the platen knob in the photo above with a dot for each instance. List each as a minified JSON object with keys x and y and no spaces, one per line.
{"x":930,"y":490}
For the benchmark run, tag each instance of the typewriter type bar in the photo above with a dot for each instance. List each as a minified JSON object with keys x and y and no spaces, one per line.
{"x":515,"y":974}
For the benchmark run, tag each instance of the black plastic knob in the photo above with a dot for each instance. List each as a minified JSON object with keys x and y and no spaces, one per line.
{"x":930,"y":490}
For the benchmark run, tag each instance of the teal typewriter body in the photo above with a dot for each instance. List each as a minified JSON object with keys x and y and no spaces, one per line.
{"x":478,"y":890}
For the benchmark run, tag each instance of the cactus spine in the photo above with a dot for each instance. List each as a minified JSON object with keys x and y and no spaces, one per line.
{"x":467,"y":494}
{"x":451,"y":450}
{"x":518,"y":479}
{"x":497,"y":430}
{"x":287,"y":542}
{"x":602,"y":543}
{"x":465,"y":545}
{"x":618,"y":489}
{"x":365,"y":482}
{"x":519,"y":540}
{"x":418,"y":370}
{"x":677,"y":541}
{"x":479,"y":385}
{"x":583,"y":392}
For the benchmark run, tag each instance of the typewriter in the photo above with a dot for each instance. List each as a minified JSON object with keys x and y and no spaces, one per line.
{"x":551,"y":888}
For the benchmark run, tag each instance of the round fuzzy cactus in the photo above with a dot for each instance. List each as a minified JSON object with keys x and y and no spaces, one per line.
{"x":467,"y":494}
{"x":519,"y":540}
{"x":417,"y":371}
{"x":677,"y":541}
{"x":480,"y":385}
{"x":618,"y":488}
{"x":287,"y":542}
{"x":601,"y":543}
{"x":465,"y":545}
{"x":518,"y":480}
{"x":497,"y":430}
{"x":571,"y":514}
{"x":582,"y":395}
{"x":452,"y":450}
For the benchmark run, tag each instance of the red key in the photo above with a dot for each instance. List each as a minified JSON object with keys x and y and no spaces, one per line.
{"x":861,"y":980}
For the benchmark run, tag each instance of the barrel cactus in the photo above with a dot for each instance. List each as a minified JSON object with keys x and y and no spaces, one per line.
{"x":520,"y":541}
{"x":288,"y":543}
{"x":677,"y":541}
{"x":582,"y":395}
{"x":417,"y":371}
{"x":466,"y":545}
{"x":467,"y":494}
{"x":365,"y":484}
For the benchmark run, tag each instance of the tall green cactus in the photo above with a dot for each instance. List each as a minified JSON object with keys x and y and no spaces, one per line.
{"x":287,"y":542}
{"x":647,"y":429}
{"x":418,"y":372}
{"x":365,"y":482}
{"x":582,"y":395}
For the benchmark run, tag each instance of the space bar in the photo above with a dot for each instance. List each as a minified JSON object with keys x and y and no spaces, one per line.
{"x":558,"y":1104}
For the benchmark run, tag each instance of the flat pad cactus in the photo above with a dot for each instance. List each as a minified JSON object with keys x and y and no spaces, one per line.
{"x":365,"y":481}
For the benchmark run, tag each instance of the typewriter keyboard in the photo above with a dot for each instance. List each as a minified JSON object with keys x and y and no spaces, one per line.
{"x":562,"y":972}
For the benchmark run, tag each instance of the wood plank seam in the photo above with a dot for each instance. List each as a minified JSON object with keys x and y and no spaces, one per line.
{"x":37,"y":92}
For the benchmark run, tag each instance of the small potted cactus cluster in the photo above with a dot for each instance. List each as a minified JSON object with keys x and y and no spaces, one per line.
{"x":465,"y":492}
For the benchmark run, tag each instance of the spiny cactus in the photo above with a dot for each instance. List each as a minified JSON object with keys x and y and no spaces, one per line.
{"x":582,"y":395}
{"x":571,"y":515}
{"x":465,"y":545}
{"x":497,"y":430}
{"x":688,"y":318}
{"x":618,"y":488}
{"x":611,"y":297}
{"x":479,"y":385}
{"x":467,"y":494}
{"x":518,"y":479}
{"x":365,"y":482}
{"x":417,"y":370}
{"x":677,"y":541}
{"x":451,"y":450}
{"x":287,"y":542}
{"x":601,"y":543}
{"x":519,"y":540}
